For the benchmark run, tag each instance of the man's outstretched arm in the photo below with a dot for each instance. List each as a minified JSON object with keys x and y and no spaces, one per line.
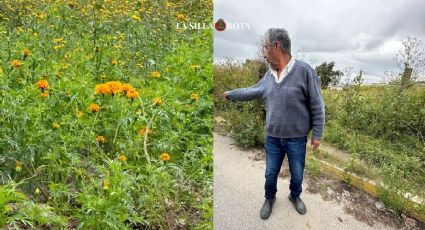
{"x":245,"y":94}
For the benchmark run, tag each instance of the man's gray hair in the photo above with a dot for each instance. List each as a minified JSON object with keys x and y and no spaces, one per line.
{"x":279,"y":35}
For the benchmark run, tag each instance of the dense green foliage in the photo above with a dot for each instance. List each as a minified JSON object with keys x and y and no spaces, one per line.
{"x":105,"y":115}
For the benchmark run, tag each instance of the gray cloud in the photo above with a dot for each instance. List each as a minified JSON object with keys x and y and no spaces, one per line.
{"x":363,"y":34}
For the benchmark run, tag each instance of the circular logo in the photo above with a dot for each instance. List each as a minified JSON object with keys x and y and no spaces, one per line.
{"x":220,"y":25}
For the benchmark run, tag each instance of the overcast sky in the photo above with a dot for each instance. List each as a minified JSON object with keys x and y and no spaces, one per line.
{"x":362,"y":34}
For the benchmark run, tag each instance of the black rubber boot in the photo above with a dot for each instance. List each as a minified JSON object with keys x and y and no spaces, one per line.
{"x":298,"y":204}
{"x":266,"y":210}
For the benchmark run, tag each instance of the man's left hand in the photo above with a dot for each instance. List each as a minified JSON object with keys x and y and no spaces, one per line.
{"x":316,"y":144}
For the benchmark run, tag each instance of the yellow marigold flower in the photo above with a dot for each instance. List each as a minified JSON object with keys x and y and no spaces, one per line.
{"x":55,"y":125}
{"x":115,"y":87}
{"x":65,"y":65}
{"x":44,"y":95}
{"x":114,"y":61}
{"x":100,"y":139}
{"x":59,"y":74}
{"x":73,"y":4}
{"x":156,"y":74}
{"x":181,"y":17}
{"x":26,"y":52}
{"x":157,"y":101}
{"x":165,"y":156}
{"x":94,"y":108}
{"x":194,"y":96}
{"x":126,"y":87}
{"x":135,"y":17}
{"x":41,"y":15}
{"x":16,"y":63}
{"x":144,"y":131}
{"x":18,"y":166}
{"x":122,"y":158}
{"x":195,"y":66}
{"x":20,"y":30}
{"x":79,"y":114}
{"x":57,"y":47}
{"x":59,"y":40}
{"x":121,"y":37}
{"x":42,"y":84}
{"x":105,"y":185}
{"x":132,"y":93}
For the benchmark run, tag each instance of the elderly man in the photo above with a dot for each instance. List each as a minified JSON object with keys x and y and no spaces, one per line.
{"x":294,"y":105}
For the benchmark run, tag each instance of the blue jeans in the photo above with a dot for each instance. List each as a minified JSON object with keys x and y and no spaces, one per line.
{"x":276,"y":148}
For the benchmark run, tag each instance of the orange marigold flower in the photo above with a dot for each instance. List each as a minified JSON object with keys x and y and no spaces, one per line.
{"x":44,"y":95}
{"x":144,"y":131}
{"x":42,"y":84}
{"x":122,"y":158}
{"x":26,"y":52}
{"x":157,"y":101}
{"x":194,"y":96}
{"x":16,"y":63}
{"x":114,"y":61}
{"x":156,"y":74}
{"x":115,"y":87}
{"x":105,"y":185}
{"x":18,"y":166}
{"x":98,"y":88}
{"x":55,"y":125}
{"x":94,"y":108}
{"x":181,"y":17}
{"x":126,"y":87}
{"x":100,"y":139}
{"x":165,"y":156}
{"x":103,"y":89}
{"x":132,"y":94}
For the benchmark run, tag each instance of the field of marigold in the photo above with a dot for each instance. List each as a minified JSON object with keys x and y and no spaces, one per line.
{"x":105,"y":115}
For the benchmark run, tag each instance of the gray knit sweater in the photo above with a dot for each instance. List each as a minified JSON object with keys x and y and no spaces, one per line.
{"x":294,"y":106}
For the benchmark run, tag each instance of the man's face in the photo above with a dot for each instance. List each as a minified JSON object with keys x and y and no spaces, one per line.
{"x":269,"y":53}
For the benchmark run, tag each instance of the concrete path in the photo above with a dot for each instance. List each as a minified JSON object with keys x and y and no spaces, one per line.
{"x":239,"y":195}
